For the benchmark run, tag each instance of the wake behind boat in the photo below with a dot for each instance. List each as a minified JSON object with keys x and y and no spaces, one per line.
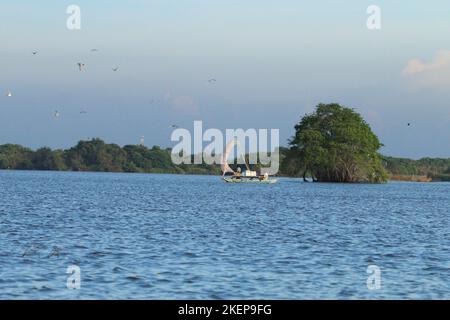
{"x":247,"y":176}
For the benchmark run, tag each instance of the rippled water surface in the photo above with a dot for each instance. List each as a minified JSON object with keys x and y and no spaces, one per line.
{"x":192,"y":237}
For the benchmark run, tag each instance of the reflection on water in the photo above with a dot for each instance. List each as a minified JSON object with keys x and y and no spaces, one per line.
{"x":194,"y":237}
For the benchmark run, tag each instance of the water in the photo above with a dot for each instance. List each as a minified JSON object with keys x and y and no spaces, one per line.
{"x":194,"y":237}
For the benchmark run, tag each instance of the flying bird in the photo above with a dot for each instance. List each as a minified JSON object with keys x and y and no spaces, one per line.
{"x":34,"y":52}
{"x":83,"y":112}
{"x":173,"y":126}
{"x":212,"y":80}
{"x":56,"y":114}
{"x":8,"y":94}
{"x":409,"y":124}
{"x":115,"y":69}
{"x":94,"y":50}
{"x":55,"y":252}
{"x":80,"y":66}
{"x":31,"y":250}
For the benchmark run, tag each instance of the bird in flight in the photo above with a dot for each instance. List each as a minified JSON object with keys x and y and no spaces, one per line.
{"x":115,"y":69}
{"x":409,"y":124}
{"x":83,"y":112}
{"x":173,"y":126}
{"x":80,"y":66}
{"x":94,"y":50}
{"x":55,"y":252}
{"x":8,"y":94}
{"x":56,"y":114}
{"x":34,"y":52}
{"x":212,"y":80}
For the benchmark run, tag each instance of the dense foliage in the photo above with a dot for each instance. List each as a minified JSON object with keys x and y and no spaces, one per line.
{"x":437,"y":169}
{"x":96,"y":155}
{"x":335,"y":144}
{"x":332,"y":144}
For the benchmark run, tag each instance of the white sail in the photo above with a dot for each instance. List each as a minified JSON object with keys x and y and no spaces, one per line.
{"x":224,"y":165}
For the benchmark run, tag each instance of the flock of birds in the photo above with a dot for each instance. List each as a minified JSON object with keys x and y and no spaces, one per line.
{"x":81,"y":66}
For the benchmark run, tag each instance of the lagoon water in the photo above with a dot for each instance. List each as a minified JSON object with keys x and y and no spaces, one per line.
{"x":144,"y":236}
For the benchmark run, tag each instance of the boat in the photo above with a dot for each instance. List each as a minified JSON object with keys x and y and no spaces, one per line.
{"x":240,"y":179}
{"x":247,"y":176}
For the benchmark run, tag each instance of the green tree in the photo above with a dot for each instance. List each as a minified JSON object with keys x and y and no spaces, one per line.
{"x":335,"y":144}
{"x":46,"y":159}
{"x":96,"y":155}
{"x":13,"y":156}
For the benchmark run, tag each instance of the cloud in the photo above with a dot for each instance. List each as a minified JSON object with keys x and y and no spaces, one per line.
{"x":441,"y":61}
{"x":433,"y":74}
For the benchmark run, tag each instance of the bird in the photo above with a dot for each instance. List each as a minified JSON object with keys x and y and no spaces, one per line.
{"x":30,"y":250}
{"x":115,"y":69}
{"x":34,"y":52}
{"x":409,"y":124}
{"x":94,"y":50}
{"x":56,"y":114}
{"x":83,"y":112}
{"x":8,"y":94}
{"x":55,"y":252}
{"x":212,"y":80}
{"x":173,"y":126}
{"x":80,"y":66}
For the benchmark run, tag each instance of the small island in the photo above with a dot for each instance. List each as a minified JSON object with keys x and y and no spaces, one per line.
{"x":335,"y":144}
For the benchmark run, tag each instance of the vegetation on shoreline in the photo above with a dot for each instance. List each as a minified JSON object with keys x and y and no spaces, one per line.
{"x":96,"y":155}
{"x":437,"y":169}
{"x":332,"y":144}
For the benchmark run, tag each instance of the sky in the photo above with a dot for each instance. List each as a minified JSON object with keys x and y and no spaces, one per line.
{"x":273,"y":61}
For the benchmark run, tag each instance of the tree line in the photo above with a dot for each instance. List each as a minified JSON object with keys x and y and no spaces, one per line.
{"x":96,"y":155}
{"x":332,"y":144}
{"x":438,"y":169}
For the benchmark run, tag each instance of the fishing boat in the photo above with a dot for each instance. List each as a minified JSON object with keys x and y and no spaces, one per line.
{"x":241,"y":179}
{"x":247,"y":176}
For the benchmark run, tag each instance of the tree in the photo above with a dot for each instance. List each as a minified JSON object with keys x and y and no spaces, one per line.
{"x":46,"y":159}
{"x":13,"y":156}
{"x":335,"y":144}
{"x":96,"y":155}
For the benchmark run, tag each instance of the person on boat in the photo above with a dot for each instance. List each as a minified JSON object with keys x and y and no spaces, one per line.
{"x":263,"y":177}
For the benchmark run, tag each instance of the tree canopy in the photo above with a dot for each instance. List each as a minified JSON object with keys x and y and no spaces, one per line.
{"x":331,"y":144}
{"x":335,"y":144}
{"x":96,"y":155}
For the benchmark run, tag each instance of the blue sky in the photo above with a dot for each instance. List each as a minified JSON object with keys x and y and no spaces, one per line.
{"x":273,"y":61}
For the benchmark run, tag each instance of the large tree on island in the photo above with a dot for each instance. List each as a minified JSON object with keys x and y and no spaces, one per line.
{"x":335,"y":144}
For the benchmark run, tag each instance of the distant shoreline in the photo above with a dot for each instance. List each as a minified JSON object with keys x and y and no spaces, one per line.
{"x":413,"y":178}
{"x":392,"y":178}
{"x":97,"y":156}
